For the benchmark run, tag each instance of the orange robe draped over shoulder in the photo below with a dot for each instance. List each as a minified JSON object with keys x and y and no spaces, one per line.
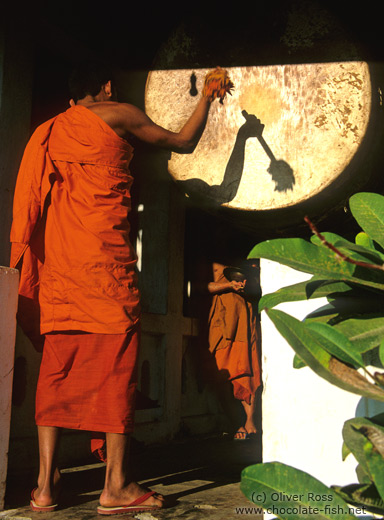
{"x":78,"y":293}
{"x":70,"y":228}
{"x":233,"y":341}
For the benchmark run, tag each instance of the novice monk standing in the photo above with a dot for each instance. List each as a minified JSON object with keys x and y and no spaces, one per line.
{"x":70,"y":240}
{"x":233,"y":339}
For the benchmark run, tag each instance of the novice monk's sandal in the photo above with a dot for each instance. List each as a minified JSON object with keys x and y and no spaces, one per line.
{"x":41,"y":509}
{"x":134,"y":506}
{"x":243,"y":435}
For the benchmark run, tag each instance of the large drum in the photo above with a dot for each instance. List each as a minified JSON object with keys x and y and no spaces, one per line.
{"x":291,"y":138}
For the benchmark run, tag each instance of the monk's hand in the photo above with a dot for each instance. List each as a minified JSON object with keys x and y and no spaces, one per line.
{"x":237,"y":286}
{"x":217,"y":85}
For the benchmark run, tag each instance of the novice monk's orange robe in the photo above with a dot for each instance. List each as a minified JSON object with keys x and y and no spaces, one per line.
{"x":233,"y":342}
{"x":78,"y":285}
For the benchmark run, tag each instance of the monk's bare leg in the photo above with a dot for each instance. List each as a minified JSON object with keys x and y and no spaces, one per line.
{"x":48,"y":481}
{"x":250,"y":424}
{"x":250,"y":410}
{"x":119,"y":489}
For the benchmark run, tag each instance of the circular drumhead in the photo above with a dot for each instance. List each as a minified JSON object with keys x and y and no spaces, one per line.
{"x":289,"y":139}
{"x":286,"y":133}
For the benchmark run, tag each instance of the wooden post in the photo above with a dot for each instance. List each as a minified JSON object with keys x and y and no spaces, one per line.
{"x":9,"y":279}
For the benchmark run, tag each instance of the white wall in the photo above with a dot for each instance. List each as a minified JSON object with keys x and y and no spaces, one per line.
{"x":9,"y":279}
{"x":303,"y":414}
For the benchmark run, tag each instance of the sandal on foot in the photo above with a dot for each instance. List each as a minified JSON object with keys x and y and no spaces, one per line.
{"x":244,"y":436}
{"x":36,"y":507}
{"x":134,"y":506}
{"x":241,"y":435}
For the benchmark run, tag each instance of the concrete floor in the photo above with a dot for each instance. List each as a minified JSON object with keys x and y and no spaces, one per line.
{"x":199,"y":477}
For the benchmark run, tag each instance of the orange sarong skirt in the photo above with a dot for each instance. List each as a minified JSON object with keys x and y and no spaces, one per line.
{"x":88,"y":381}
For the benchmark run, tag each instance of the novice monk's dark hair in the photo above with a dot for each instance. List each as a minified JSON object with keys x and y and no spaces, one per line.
{"x":88,"y":78}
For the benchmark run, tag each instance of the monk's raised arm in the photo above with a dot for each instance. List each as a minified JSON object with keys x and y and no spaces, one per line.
{"x":134,"y":121}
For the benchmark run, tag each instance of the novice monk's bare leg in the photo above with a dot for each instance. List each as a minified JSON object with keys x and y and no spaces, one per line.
{"x":250,"y":424}
{"x":48,"y":481}
{"x":250,"y":409}
{"x":119,"y":489}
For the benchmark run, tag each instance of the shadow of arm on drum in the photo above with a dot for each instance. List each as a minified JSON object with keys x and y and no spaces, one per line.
{"x":281,"y":172}
{"x":218,"y":194}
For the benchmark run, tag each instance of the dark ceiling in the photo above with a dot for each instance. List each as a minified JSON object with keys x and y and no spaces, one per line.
{"x":130,"y":34}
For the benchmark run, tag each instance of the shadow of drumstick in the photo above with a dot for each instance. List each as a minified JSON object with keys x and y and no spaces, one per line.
{"x":281,"y":172}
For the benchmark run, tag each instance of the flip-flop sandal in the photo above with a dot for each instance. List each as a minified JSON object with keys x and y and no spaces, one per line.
{"x":36,"y":507}
{"x":134,"y":506}
{"x":243,"y":435}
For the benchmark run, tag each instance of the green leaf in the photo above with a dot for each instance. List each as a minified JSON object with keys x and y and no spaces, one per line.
{"x":329,"y":237}
{"x":351,"y":305}
{"x":381,"y":352}
{"x":325,"y":314}
{"x":298,"y":362}
{"x":353,"y":318}
{"x":362,"y":477}
{"x":365,"y":439}
{"x":350,"y":249}
{"x":378,"y":419}
{"x":362,"y":239}
{"x":365,"y":332}
{"x":313,"y":288}
{"x":363,"y":496}
{"x":301,"y":255}
{"x":368,"y":211}
{"x":337,"y":344}
{"x":290,"y":493}
{"x":310,"y":350}
{"x":361,"y":473}
{"x":345,"y":451}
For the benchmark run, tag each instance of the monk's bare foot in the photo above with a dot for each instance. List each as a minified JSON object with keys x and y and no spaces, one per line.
{"x":249,"y":408}
{"x":114,"y":497}
{"x":240,"y":434}
{"x":46,"y":494}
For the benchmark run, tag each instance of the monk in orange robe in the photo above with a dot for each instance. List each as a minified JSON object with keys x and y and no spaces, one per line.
{"x":78,"y":296}
{"x":233,"y":341}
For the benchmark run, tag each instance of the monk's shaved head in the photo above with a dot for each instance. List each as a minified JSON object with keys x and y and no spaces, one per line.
{"x":88,"y":78}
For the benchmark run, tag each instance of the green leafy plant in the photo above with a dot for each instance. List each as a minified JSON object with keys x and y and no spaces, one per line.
{"x":342,"y":342}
